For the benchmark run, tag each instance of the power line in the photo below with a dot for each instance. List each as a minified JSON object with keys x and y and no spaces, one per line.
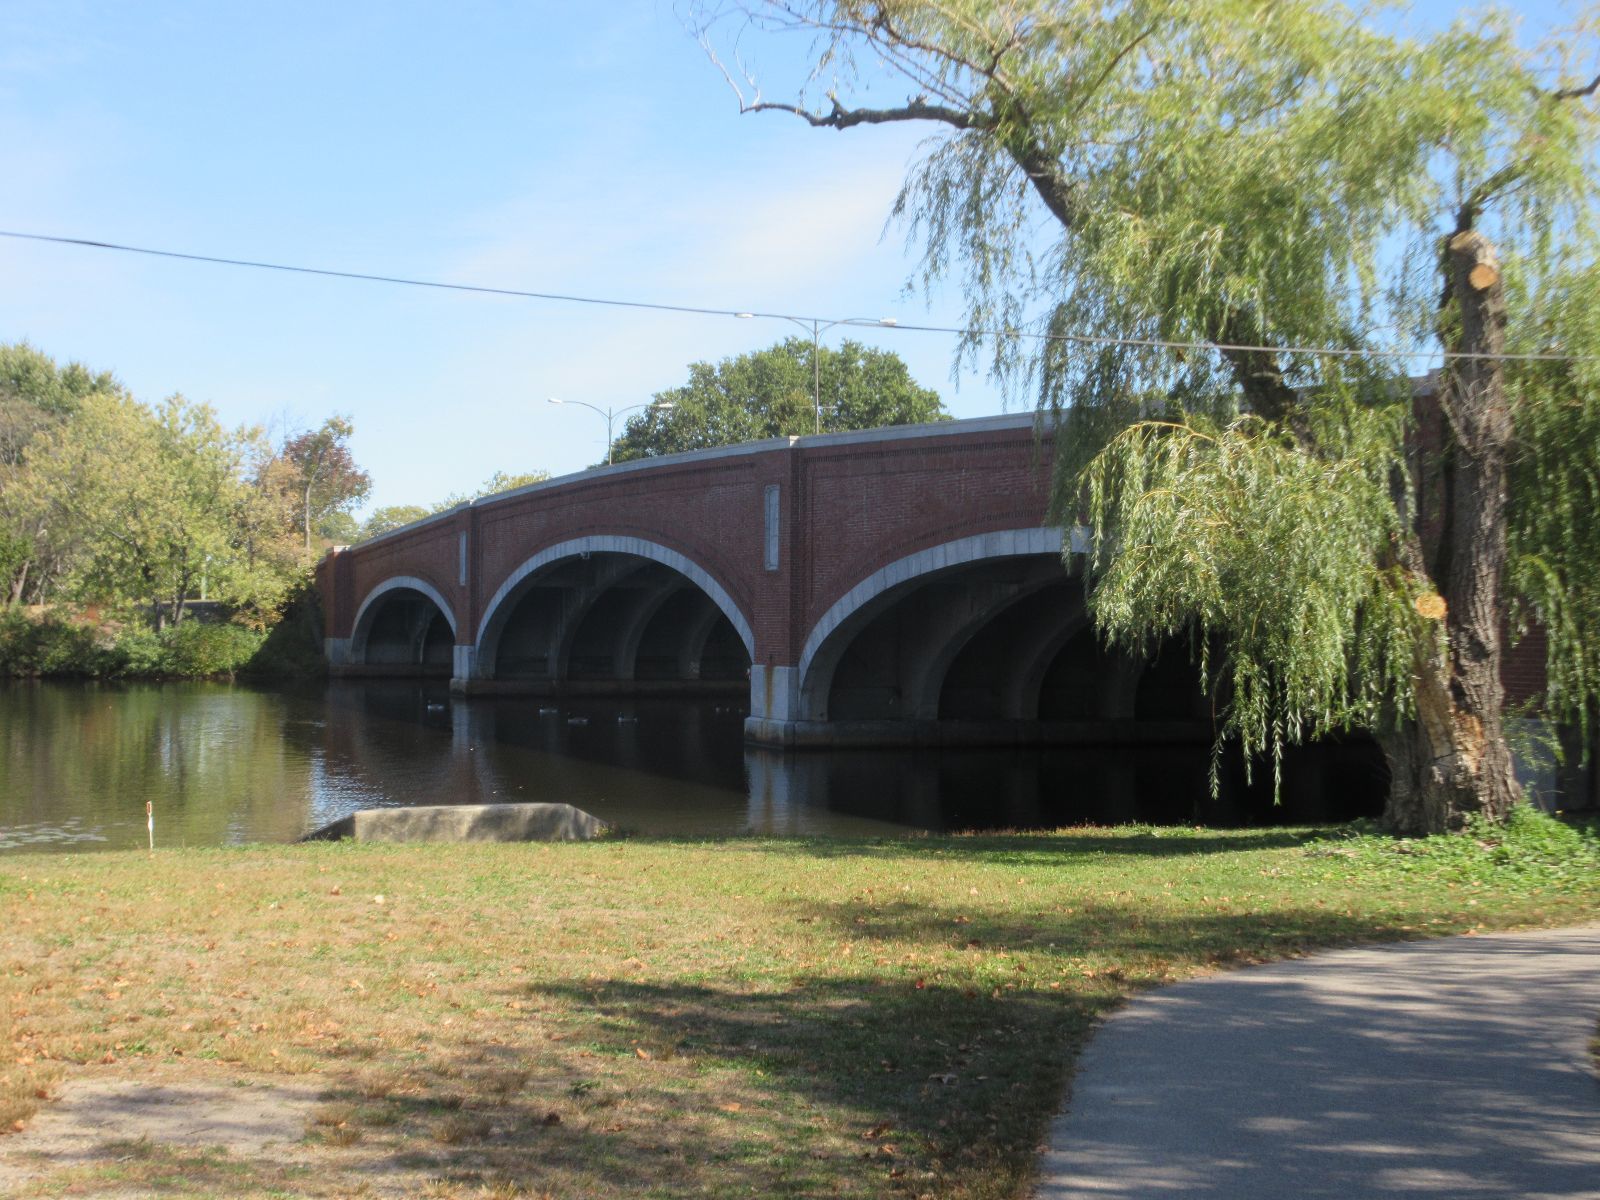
{"x":695,"y":310}
{"x":396,"y":279}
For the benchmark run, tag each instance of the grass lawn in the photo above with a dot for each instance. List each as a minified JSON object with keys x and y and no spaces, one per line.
{"x":668,"y":1018}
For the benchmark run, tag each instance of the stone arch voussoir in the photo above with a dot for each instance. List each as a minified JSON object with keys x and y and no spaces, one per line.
{"x":504,"y":598}
{"x":368,"y":609}
{"x":819,"y":654}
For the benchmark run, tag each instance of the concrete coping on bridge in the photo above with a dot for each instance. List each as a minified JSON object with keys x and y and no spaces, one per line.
{"x":464,"y":823}
{"x":810,"y":441}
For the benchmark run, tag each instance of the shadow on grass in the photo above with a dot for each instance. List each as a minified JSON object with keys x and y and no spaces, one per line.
{"x":961,"y":1063}
{"x":1031,"y":849}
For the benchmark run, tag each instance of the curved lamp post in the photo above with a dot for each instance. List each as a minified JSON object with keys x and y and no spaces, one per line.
{"x":611,"y":415}
{"x":818,"y":328}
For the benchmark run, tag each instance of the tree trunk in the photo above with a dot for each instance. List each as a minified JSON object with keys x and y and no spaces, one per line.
{"x":1443,"y":764}
{"x":1452,"y":761}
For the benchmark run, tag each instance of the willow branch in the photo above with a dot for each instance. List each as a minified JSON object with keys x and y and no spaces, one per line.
{"x":1578,"y":93}
{"x":844,"y":118}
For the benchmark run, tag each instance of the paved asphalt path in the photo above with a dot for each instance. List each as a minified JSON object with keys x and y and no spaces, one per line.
{"x":1450,"y":1068}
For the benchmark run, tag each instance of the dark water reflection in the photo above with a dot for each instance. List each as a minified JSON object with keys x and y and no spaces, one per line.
{"x":227,"y":764}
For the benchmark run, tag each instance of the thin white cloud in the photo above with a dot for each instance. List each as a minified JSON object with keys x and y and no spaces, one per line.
{"x":710,"y":241}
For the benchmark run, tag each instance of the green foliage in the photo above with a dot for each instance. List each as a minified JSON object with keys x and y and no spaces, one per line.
{"x":1217,"y":172}
{"x":140,"y":509}
{"x":769,"y":393}
{"x":36,"y":397}
{"x":1530,"y":851}
{"x":392,"y":516}
{"x":30,"y":378}
{"x":1554,"y":538}
{"x":292,"y":648}
{"x":338,"y":528}
{"x":500,"y":481}
{"x":509,"y":481}
{"x":148,"y":495}
{"x":54,"y":646}
{"x":193,"y":650}
{"x":106,"y":500}
{"x":49,"y":646}
{"x":1236,"y":536}
{"x":1217,"y":167}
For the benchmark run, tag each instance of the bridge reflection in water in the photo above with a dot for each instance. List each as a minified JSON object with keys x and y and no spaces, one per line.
{"x":225,"y":764}
{"x":682,"y":767}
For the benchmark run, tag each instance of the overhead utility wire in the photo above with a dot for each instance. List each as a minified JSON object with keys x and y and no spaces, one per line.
{"x":562,"y":297}
{"x":424,"y":283}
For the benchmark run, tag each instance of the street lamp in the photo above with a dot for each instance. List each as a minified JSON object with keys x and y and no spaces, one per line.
{"x":611,"y":415}
{"x":818,"y":328}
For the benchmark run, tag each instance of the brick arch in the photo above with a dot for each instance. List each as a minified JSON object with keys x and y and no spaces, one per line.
{"x":614,"y":544}
{"x":832,"y":631}
{"x":362,"y":625}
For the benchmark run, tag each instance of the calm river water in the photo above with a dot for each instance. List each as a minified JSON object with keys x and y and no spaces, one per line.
{"x":229,"y":764}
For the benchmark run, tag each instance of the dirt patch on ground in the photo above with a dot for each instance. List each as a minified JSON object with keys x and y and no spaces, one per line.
{"x":97,"y":1121}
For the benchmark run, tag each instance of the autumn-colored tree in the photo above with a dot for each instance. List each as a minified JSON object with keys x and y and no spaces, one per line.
{"x":324,"y":473}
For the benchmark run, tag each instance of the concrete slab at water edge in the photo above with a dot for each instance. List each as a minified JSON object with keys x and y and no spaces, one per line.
{"x":465,"y":823}
{"x":1450,"y":1068}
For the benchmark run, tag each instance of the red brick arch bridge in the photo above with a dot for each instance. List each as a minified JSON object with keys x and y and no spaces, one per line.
{"x":895,"y":586}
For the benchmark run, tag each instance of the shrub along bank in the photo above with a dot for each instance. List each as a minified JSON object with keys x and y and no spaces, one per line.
{"x":53,"y":646}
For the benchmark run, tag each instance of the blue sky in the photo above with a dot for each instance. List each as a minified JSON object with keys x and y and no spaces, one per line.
{"x":544,"y":147}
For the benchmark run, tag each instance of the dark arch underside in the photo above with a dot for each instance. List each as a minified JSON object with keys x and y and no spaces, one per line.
{"x":1001,"y":652}
{"x":407,"y":633}
{"x":613,"y":621}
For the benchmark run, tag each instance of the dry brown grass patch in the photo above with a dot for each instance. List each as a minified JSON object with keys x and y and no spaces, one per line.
{"x":335,"y":1113}
{"x":462,"y":1127}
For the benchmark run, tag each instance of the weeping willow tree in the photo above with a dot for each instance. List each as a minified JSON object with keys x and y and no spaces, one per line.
{"x":1207,"y":237}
